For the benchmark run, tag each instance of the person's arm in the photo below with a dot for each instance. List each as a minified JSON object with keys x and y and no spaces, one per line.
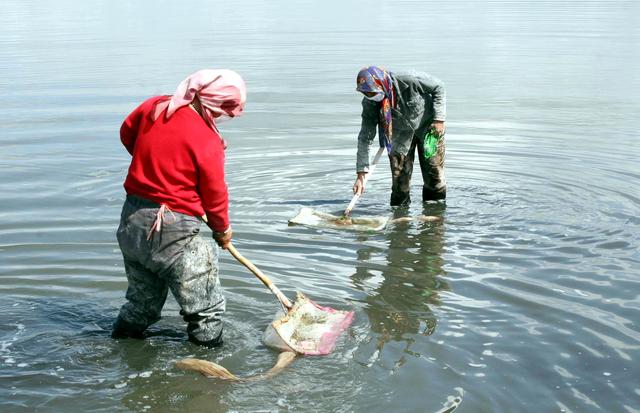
{"x":435,"y":87}
{"x":365,"y":137}
{"x":129,"y":129}
{"x":213,"y":191}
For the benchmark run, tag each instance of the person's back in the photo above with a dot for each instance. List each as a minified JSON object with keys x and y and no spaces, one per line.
{"x":169,"y":155}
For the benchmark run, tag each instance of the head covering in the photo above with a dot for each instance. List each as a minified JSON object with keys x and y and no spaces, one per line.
{"x":378,"y":80}
{"x":221,"y":92}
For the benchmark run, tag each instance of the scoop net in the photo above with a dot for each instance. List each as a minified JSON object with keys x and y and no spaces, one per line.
{"x":313,"y":218}
{"x":308,"y":328}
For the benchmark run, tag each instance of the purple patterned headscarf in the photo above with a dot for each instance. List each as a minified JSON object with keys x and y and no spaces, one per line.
{"x":378,"y":80}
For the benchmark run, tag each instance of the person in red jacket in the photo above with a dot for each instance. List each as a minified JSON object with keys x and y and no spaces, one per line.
{"x":175,"y":182}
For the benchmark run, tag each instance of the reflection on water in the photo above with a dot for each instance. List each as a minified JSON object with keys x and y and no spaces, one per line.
{"x":524,"y":298}
{"x":400,"y":293}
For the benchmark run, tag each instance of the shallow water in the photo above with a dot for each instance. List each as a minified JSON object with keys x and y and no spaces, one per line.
{"x":523,"y":298}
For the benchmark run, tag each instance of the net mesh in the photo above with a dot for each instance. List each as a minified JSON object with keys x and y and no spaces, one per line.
{"x":308,"y":328}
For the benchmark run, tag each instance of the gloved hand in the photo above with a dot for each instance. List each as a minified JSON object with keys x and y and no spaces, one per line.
{"x":438,"y":125}
{"x":223,"y":238}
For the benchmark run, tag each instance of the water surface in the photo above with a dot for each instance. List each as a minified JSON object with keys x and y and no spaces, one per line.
{"x":523,"y":298}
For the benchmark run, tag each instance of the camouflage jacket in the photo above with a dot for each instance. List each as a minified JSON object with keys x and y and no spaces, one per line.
{"x":421,"y":99}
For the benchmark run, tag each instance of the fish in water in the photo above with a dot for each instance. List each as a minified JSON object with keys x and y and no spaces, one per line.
{"x":213,"y":370}
{"x":210,"y":369}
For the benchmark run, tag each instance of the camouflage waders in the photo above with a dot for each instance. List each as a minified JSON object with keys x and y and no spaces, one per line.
{"x":434,"y":182}
{"x":169,"y":257}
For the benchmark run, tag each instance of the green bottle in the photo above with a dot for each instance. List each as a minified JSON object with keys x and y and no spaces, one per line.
{"x":431,"y":143}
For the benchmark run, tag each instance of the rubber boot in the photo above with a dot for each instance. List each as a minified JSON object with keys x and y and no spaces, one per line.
{"x":124,"y":329}
{"x":216,"y":342}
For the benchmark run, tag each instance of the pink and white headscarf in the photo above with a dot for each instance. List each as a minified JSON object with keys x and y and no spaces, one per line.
{"x":222,"y":93}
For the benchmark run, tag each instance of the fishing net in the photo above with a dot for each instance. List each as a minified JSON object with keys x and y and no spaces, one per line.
{"x":308,"y":328}
{"x":313,"y":218}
